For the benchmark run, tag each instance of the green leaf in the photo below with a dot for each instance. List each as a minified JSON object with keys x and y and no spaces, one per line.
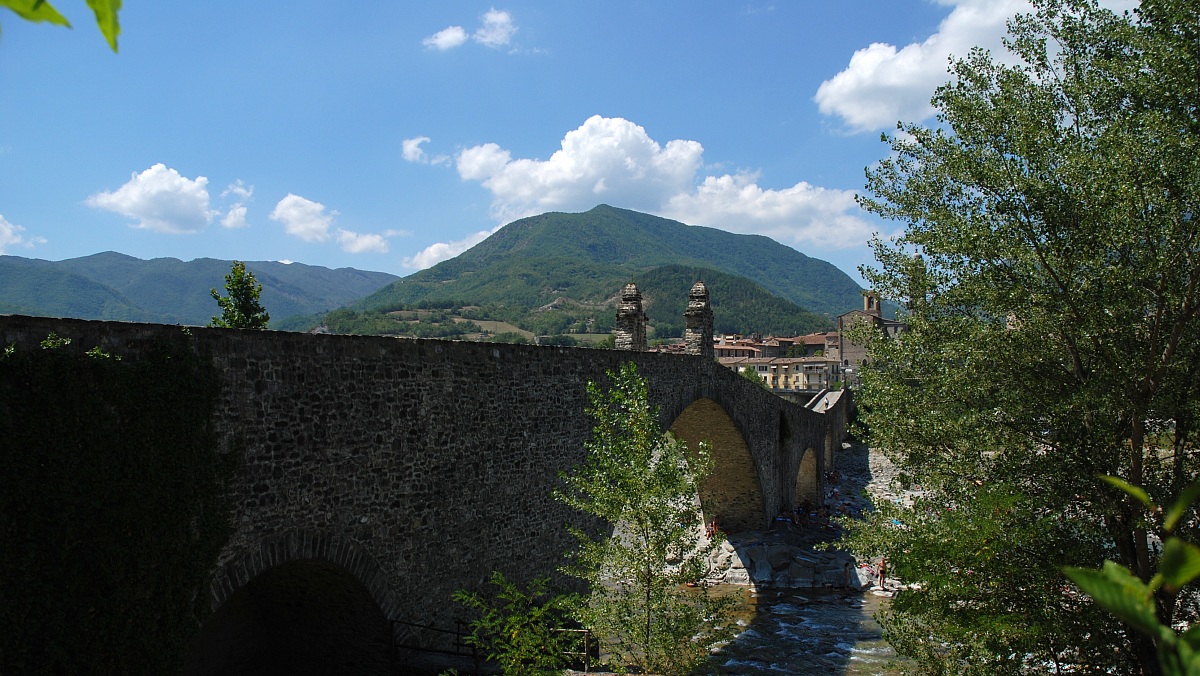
{"x":1119,"y":591}
{"x":36,"y":10}
{"x":106,"y":18}
{"x":1177,"y":510}
{"x":1192,"y":636}
{"x":1130,"y":489}
{"x":1180,"y":563}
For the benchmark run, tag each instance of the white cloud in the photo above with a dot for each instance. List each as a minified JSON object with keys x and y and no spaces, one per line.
{"x":353,"y":242}
{"x":604,"y":160}
{"x":614,"y":161}
{"x":303,"y":218}
{"x":311,"y":222}
{"x":10,"y":236}
{"x":413,"y":152}
{"x":161,"y":200}
{"x":436,"y":253}
{"x":884,"y":84}
{"x":497,"y":29}
{"x":412,"y":148}
{"x":235,"y":215}
{"x":447,"y":38}
{"x":804,"y":213}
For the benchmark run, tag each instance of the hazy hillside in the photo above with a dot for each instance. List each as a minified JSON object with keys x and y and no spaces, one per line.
{"x":36,"y":287}
{"x":589,"y":256}
{"x":115,"y":286}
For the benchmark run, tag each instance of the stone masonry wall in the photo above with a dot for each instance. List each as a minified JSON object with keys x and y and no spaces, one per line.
{"x":418,"y":465}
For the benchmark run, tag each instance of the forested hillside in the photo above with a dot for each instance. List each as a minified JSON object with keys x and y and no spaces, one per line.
{"x":114,"y":286}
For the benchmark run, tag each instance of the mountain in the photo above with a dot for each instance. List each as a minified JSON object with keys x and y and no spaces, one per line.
{"x":588,"y":257}
{"x":738,"y":304}
{"x":114,"y":286}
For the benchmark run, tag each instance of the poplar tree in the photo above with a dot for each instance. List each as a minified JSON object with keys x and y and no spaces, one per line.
{"x":1050,"y":271}
{"x":643,"y":487}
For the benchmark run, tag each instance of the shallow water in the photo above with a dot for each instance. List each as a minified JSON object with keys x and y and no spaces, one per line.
{"x":807,"y":632}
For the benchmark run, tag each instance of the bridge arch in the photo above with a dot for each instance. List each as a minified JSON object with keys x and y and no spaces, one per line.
{"x":301,"y":603}
{"x":808,"y":479}
{"x":733,"y":492}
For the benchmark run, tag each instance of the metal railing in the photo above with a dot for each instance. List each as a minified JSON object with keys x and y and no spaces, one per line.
{"x":585,"y":654}
{"x":459,"y":643}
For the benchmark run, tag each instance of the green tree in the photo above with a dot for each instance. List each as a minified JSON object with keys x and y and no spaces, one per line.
{"x":751,"y":373}
{"x":522,"y":629}
{"x":644,"y":487}
{"x":40,"y":10}
{"x":240,"y":309}
{"x":1052,"y":337}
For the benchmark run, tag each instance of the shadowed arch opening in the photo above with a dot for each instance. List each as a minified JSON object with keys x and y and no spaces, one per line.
{"x":808,"y":487}
{"x":732,"y":494}
{"x":299,"y":617}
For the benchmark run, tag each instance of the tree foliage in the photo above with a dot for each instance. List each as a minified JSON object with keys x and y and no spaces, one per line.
{"x":41,"y":10}
{"x":644,"y":486}
{"x":751,"y":373}
{"x":240,"y":309}
{"x":1124,"y":595}
{"x":1052,"y":337}
{"x":522,"y":630}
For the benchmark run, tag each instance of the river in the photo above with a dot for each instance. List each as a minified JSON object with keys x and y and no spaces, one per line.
{"x":807,"y":632}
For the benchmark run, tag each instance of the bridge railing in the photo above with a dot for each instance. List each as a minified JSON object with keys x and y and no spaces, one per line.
{"x":459,"y":646}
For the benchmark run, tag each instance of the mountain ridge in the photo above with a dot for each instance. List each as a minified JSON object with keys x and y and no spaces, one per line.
{"x":606,"y":243}
{"x":115,"y":286}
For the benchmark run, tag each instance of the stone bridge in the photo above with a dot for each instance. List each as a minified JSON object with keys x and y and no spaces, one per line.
{"x":378,"y":475}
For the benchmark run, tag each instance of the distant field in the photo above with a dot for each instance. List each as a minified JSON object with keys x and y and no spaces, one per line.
{"x":501,"y":327}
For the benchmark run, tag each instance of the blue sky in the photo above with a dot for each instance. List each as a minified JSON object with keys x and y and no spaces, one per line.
{"x":388,"y":136}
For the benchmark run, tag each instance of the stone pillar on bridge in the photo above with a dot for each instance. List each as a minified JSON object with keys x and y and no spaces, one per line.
{"x":630,"y":332}
{"x":698,"y":320}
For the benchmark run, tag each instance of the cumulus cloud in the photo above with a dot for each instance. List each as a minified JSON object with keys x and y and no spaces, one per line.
{"x":303,"y":218}
{"x":436,"y":253}
{"x":496,"y":30}
{"x":312,"y":222}
{"x":447,"y":38}
{"x":884,"y":84}
{"x":353,"y":242}
{"x":11,"y":237}
{"x":413,"y":152}
{"x":614,"y":161}
{"x":604,"y":160}
{"x":804,"y":213}
{"x":160,"y":199}
{"x":235,"y":215}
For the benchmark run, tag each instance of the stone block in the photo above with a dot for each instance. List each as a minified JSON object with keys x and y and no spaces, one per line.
{"x":779,"y":556}
{"x":737,"y":576}
{"x":763,"y":571}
